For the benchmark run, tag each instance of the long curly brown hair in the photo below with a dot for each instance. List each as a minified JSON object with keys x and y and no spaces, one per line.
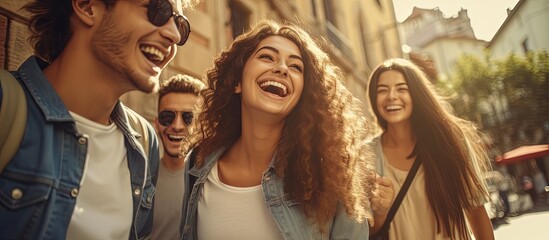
{"x":323,"y":155}
{"x":450,"y":148}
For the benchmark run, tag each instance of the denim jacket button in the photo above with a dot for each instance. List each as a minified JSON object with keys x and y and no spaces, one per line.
{"x":136,"y":191}
{"x":82,"y":140}
{"x":74,"y":192}
{"x":16,"y":194}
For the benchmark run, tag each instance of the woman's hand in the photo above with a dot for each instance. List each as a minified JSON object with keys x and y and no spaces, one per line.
{"x":381,"y":202}
{"x":383,"y":195}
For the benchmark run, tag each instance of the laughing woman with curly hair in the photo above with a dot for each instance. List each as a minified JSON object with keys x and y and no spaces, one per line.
{"x":283,"y":152}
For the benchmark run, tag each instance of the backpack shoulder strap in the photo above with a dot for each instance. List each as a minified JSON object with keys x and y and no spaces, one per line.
{"x":13,"y":117}
{"x":138,"y":124}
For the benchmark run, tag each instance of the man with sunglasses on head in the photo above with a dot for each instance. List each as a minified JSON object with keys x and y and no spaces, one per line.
{"x":82,"y":170}
{"x":178,"y":97}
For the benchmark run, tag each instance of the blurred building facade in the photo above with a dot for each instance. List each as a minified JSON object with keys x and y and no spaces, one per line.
{"x":441,"y":39}
{"x":523,"y":30}
{"x":361,"y":34}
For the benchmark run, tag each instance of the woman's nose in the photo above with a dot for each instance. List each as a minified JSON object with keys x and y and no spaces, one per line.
{"x":392,"y":93}
{"x":281,"y":69}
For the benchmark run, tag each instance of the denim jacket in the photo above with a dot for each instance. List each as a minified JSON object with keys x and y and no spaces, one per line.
{"x":291,"y":221}
{"x":39,"y":186}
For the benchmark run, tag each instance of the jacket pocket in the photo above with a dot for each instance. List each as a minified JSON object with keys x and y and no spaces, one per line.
{"x":22,"y":206}
{"x":15,"y":195}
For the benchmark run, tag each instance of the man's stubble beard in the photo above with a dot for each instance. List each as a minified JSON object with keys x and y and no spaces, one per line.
{"x":108,"y":45}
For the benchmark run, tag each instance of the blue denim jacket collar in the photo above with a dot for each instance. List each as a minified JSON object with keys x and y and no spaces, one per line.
{"x":51,"y":105}
{"x":208,"y":163}
{"x":42,"y":91}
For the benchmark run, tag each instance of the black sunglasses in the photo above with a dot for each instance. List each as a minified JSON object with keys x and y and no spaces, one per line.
{"x":159,"y":13}
{"x":166,"y":117}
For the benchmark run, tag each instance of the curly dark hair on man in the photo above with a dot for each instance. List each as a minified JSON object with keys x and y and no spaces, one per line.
{"x":323,"y":154}
{"x":50,"y":26}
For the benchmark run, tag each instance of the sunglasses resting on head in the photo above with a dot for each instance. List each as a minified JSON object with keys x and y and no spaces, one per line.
{"x":166,"y":117}
{"x":159,"y":13}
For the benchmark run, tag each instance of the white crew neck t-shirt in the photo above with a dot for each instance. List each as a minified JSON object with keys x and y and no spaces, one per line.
{"x":104,"y":203}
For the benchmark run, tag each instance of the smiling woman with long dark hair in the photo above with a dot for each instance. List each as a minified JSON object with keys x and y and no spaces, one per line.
{"x":445,"y":199}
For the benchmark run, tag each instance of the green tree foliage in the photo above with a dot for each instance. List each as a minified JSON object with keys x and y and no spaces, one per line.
{"x":472,"y":84}
{"x":507,"y":97}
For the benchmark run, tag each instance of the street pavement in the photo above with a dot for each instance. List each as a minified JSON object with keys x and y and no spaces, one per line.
{"x":531,"y":225}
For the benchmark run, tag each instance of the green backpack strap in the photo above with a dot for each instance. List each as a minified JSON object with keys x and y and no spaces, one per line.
{"x":13,"y":117}
{"x":138,"y":124}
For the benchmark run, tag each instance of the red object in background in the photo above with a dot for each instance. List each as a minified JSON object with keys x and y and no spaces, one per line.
{"x":523,"y":153}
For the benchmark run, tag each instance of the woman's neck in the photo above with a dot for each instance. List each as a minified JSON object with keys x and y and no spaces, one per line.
{"x":256,"y":144}
{"x":246,"y":160}
{"x":398,"y":144}
{"x":399,"y":136}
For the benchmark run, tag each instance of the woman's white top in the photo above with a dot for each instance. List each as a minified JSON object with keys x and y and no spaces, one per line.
{"x":228,"y":212}
{"x":414,"y":219}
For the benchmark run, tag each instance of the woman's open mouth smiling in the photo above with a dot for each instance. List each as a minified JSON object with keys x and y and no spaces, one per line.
{"x":275,"y":88}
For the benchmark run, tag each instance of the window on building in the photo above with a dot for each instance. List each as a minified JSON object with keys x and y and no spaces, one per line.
{"x":313,"y":7}
{"x":329,"y":12}
{"x":364,"y":37}
{"x":525,"y":45}
{"x":385,"y":44}
{"x":240,"y":17}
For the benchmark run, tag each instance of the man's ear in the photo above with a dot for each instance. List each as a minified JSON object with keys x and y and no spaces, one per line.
{"x":86,"y":10}
{"x":238,"y":88}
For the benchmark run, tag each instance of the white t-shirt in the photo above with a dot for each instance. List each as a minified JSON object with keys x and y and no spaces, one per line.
{"x":168,"y":203}
{"x":104,"y":203}
{"x":228,"y":212}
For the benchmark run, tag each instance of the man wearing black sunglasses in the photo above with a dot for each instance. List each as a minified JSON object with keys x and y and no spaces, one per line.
{"x":178,"y":97}
{"x":82,"y":171}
